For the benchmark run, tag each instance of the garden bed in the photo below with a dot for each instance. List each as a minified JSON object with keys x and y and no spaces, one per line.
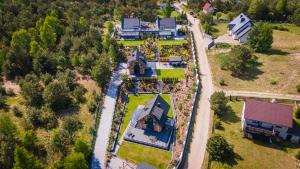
{"x":174,"y":50}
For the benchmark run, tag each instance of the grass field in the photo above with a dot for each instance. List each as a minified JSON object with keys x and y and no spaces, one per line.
{"x":281,"y":64}
{"x":136,"y":153}
{"x":142,"y":99}
{"x":131,"y":42}
{"x":170,"y":73}
{"x":171,"y":42}
{"x":219,"y":29}
{"x":253,"y":153}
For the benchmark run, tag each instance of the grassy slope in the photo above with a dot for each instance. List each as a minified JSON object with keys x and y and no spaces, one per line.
{"x":254,"y":153}
{"x":170,"y":73}
{"x":136,"y":153}
{"x":281,"y":64}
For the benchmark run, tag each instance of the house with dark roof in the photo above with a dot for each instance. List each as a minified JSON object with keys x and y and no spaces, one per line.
{"x":130,"y":28}
{"x":239,"y":28}
{"x":154,"y":115}
{"x":268,"y":119}
{"x":137,"y":63}
{"x":134,"y":28}
{"x":208,"y":8}
{"x":166,"y":27}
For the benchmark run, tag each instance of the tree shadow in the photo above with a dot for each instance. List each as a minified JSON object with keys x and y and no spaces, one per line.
{"x":252,"y":71}
{"x":275,"y":52}
{"x":229,"y":116}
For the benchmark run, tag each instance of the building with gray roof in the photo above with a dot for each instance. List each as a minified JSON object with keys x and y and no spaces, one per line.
{"x":239,"y":28}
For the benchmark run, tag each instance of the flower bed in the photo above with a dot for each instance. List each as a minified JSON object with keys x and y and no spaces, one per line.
{"x":148,"y":85}
{"x":149,"y":49}
{"x":166,"y":51}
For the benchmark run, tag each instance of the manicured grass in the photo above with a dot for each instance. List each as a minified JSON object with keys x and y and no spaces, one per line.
{"x":136,"y":153}
{"x":170,"y":73}
{"x":254,"y":153}
{"x":142,"y":99}
{"x":131,"y":42}
{"x":171,"y":42}
{"x":219,"y":29}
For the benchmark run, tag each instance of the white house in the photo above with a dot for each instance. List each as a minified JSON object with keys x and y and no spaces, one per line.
{"x":239,"y":28}
{"x":269,"y":119}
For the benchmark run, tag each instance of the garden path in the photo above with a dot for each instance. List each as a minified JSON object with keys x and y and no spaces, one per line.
{"x":103,"y":131}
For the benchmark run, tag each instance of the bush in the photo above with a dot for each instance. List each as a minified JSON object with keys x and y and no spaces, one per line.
{"x":297,"y":155}
{"x":222,"y":82}
{"x":298,"y":88}
{"x":222,"y":45}
{"x":273,"y":82}
{"x":17,"y":112}
{"x":280,"y":28}
{"x":297,"y":113}
{"x":219,"y":149}
{"x":218,"y":102}
{"x":218,"y":124}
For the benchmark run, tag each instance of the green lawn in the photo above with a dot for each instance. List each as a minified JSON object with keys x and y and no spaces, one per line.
{"x":136,"y":154}
{"x":171,"y":42}
{"x":174,"y":14}
{"x":219,"y":29}
{"x":131,"y":42}
{"x":142,"y":99}
{"x":170,"y":73}
{"x":253,"y":153}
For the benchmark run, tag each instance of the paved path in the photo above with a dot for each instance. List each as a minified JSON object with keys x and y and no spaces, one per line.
{"x":262,"y":95}
{"x":202,"y":118}
{"x":103,"y":131}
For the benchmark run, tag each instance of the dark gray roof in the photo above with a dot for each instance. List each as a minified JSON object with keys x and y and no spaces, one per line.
{"x":145,"y":166}
{"x":166,"y":23}
{"x":158,"y":107}
{"x":175,"y":59}
{"x":138,"y":56}
{"x":130,"y":23}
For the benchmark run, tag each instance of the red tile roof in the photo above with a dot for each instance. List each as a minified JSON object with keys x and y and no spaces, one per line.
{"x":274,"y":113}
{"x":207,"y":6}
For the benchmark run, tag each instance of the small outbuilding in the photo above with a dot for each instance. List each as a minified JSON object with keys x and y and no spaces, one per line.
{"x":208,"y":8}
{"x":175,"y":60}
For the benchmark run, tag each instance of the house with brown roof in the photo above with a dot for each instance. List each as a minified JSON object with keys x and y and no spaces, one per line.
{"x":208,"y":8}
{"x":268,"y":119}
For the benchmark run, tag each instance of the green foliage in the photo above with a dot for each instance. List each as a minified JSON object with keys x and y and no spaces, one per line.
{"x":8,"y":141}
{"x":30,"y":140}
{"x":167,"y":10}
{"x":238,"y":60}
{"x":106,"y":43}
{"x":84,"y":148}
{"x":261,"y":37}
{"x":206,"y":18}
{"x":218,"y":124}
{"x":32,"y":90}
{"x":222,"y":45}
{"x":71,"y":125}
{"x":219,"y":149}
{"x":206,"y":27}
{"x":296,"y":17}
{"x":258,"y":10}
{"x":110,"y":26}
{"x":56,"y":94}
{"x":298,"y":88}
{"x":297,"y":113}
{"x":78,"y":94}
{"x":297,"y":156}
{"x":219,"y":102}
{"x":112,"y":52}
{"x":218,"y":15}
{"x":75,"y":161}
{"x":50,"y":30}
{"x":25,"y":160}
{"x":101,"y":71}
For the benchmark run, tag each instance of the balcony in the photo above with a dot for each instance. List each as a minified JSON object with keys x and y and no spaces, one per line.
{"x":259,"y":130}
